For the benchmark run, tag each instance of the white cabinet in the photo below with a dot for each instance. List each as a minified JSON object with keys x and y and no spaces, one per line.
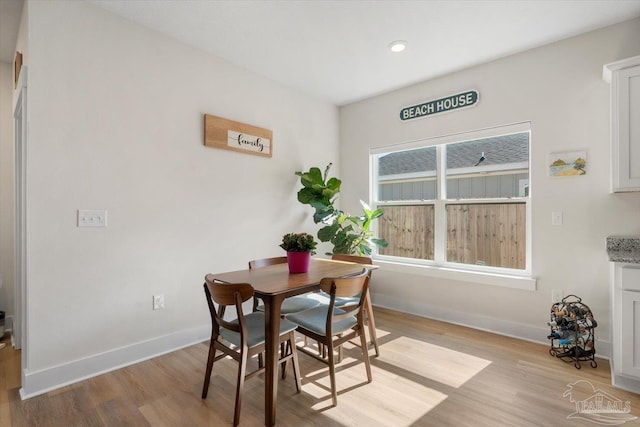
{"x":625,"y":364}
{"x":624,"y":77}
{"x":630,"y":333}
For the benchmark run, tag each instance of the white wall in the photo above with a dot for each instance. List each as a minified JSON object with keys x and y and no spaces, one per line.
{"x":116,"y":123}
{"x":6,"y":188}
{"x":559,"y":88}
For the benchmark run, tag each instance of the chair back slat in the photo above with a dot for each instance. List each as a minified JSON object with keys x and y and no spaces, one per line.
{"x":265,"y":262}
{"x":225,"y":294}
{"x":352,"y":258}
{"x":347,"y":286}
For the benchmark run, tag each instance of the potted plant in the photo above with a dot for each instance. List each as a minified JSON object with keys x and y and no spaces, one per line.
{"x":349,"y":234}
{"x":299,"y":247}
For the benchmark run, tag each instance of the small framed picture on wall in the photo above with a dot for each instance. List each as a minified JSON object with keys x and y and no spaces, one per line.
{"x":568,"y":163}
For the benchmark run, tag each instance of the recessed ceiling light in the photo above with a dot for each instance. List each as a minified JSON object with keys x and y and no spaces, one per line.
{"x":398,"y":46}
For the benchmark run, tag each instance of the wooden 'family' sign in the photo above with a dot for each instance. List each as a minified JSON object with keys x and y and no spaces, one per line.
{"x":235,"y":136}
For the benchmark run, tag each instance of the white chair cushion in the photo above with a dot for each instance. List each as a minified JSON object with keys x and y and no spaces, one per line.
{"x":255,"y":330}
{"x":325,"y":298}
{"x":315,"y":320}
{"x":294,"y":304}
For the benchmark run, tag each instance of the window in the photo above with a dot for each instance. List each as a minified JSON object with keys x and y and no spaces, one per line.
{"x":458,"y":201}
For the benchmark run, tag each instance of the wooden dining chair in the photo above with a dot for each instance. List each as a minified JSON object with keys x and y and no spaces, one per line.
{"x":243,"y":337}
{"x":289,"y":305}
{"x":370,"y":319}
{"x":332,"y":326}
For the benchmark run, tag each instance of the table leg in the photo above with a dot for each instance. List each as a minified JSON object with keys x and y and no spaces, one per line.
{"x":372,"y":324}
{"x":272,"y":305}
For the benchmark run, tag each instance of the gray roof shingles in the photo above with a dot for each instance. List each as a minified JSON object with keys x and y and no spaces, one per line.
{"x":497,"y":150}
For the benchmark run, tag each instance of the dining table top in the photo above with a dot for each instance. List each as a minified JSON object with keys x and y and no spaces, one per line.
{"x":276,"y":279}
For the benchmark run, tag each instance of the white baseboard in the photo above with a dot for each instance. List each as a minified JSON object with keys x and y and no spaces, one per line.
{"x":485,"y":323}
{"x":44,"y":380}
{"x":624,"y":382}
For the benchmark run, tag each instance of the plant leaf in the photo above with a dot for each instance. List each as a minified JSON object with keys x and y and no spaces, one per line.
{"x":326,"y":234}
{"x":334,"y":184}
{"x":364,"y":249}
{"x":377,"y":213}
{"x":312,"y":177}
{"x":306,"y":195}
{"x":382,"y":243}
{"x":322,"y":216}
{"x":319,"y":206}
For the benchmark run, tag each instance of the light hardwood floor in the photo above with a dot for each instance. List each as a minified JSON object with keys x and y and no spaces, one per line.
{"x":429,"y":373}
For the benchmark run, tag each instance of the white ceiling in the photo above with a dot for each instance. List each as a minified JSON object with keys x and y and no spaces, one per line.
{"x":337,"y":50}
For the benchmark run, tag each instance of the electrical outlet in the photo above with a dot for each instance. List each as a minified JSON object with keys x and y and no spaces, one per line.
{"x":92,"y":218}
{"x":556,"y":295}
{"x":158,"y":302}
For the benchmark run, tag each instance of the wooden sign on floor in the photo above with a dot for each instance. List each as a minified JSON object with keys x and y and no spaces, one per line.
{"x":236,"y":136}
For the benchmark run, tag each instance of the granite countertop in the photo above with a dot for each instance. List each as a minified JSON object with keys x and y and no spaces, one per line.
{"x":624,"y":249}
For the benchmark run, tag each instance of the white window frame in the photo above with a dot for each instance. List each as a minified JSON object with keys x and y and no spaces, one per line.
{"x":439,"y":267}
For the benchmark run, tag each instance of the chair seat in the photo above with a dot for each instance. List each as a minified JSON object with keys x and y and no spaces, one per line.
{"x":325,"y":298}
{"x":294,"y":304}
{"x":255,"y":330}
{"x":315,"y":320}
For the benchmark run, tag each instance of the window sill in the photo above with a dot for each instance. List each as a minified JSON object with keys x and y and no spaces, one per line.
{"x":480,"y":277}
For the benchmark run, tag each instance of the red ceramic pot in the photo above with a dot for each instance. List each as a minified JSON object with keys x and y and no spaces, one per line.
{"x":298,"y":261}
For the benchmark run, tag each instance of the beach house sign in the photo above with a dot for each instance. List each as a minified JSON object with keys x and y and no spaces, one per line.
{"x":449,"y":103}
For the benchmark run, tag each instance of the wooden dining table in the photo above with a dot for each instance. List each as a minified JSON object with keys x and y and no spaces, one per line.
{"x":272,"y":285}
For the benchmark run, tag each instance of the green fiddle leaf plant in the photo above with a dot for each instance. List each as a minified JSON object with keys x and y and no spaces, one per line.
{"x":347,"y":233}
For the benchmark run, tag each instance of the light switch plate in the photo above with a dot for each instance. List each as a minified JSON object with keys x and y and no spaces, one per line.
{"x":158,"y":302}
{"x":556,"y":218}
{"x":92,"y":218}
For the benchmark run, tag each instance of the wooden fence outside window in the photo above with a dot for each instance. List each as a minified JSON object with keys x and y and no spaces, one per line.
{"x":491,"y":234}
